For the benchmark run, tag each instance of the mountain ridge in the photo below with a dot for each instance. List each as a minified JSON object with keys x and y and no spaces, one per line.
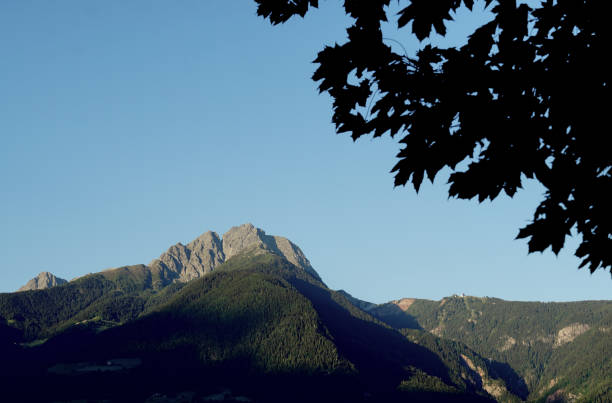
{"x":186,"y":262}
{"x":203,"y":254}
{"x":535,"y":339}
{"x":257,"y":316}
{"x":252,"y":303}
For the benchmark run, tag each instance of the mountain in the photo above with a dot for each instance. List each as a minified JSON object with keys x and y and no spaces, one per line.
{"x":559,"y":350}
{"x":258,"y":325}
{"x":255,"y":319}
{"x":123,"y":293}
{"x":245,"y":317}
{"x":202,"y":255}
{"x":43,"y":280}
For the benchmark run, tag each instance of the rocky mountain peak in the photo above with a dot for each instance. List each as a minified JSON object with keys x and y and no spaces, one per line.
{"x":187,"y":262}
{"x":43,"y":280}
{"x":243,"y":237}
{"x":203,"y":254}
{"x":247,"y":236}
{"x":208,"y":238}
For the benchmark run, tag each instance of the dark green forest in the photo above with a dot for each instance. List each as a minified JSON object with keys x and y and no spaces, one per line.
{"x":551,"y":346}
{"x":254,"y":320}
{"x":266,"y":329}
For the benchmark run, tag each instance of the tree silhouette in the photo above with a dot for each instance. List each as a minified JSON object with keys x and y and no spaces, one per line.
{"x":526,"y":97}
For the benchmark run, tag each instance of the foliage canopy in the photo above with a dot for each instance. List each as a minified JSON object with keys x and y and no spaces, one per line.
{"x":524,"y":97}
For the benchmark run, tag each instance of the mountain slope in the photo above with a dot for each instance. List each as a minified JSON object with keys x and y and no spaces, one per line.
{"x":247,"y":312}
{"x":122,"y":294}
{"x":260,"y":326}
{"x":550,"y":345}
{"x":114,"y":295}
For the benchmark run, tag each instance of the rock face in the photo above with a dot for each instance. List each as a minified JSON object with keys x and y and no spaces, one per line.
{"x":403,"y":303}
{"x":494,"y":388}
{"x":42,"y":281}
{"x":202,"y":255}
{"x":569,"y":333}
{"x":193,"y":260}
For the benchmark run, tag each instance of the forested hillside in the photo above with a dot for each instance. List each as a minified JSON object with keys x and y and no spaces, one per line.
{"x":554,"y":347}
{"x":116,"y":296}
{"x":258,"y":325}
{"x":262,"y":325}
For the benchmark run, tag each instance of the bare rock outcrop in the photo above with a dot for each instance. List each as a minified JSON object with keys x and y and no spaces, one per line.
{"x":404,"y":303}
{"x":42,"y":281}
{"x":569,"y":333}
{"x":509,"y":342}
{"x":203,"y":254}
{"x":493,"y":387}
{"x":193,"y":260}
{"x":239,"y":239}
{"x":246,"y":237}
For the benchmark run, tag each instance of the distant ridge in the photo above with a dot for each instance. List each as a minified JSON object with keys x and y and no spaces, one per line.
{"x":183,"y":263}
{"x":42,"y":281}
{"x":559,"y":351}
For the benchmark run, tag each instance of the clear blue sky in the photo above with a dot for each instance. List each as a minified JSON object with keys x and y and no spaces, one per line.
{"x":128,"y":126}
